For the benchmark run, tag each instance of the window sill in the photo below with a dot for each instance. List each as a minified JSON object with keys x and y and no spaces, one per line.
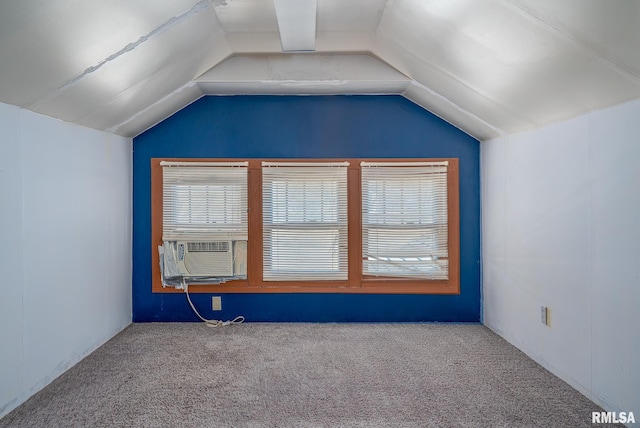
{"x":366,"y":287}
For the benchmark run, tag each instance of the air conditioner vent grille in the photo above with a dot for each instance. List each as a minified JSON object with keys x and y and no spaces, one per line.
{"x":216,"y":246}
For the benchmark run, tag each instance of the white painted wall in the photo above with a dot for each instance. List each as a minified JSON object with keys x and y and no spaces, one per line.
{"x":65,"y":259}
{"x":561,"y":228}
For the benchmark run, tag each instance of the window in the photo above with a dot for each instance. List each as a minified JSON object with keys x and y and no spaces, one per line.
{"x":304,"y":221}
{"x":347,"y":226}
{"x":204,"y":201}
{"x":204,"y":222}
{"x":404,"y":219}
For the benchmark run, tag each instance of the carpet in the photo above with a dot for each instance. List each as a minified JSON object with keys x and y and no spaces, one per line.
{"x":305,"y":375}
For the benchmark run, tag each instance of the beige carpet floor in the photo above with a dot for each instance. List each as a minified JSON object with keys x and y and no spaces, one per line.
{"x":305,"y":375}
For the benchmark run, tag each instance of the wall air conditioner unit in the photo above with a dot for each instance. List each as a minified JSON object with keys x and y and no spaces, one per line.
{"x":213,"y":258}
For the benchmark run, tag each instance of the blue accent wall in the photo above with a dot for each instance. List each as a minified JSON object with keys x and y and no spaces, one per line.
{"x":308,"y":127}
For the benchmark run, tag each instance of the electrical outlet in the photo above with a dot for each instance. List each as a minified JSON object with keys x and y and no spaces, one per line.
{"x":545,"y":315}
{"x":216,"y":303}
{"x":548,"y":317}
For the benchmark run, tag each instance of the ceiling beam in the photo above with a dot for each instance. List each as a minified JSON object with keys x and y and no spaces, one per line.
{"x":297,"y":24}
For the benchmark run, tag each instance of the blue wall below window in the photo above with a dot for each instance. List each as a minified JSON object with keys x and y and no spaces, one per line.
{"x":308,"y":127}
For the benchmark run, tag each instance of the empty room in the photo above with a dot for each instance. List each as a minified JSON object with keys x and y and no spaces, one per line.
{"x":320,"y":213}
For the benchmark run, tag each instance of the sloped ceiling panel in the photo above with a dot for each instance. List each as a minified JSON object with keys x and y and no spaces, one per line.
{"x":128,"y":83}
{"x":609,"y":29}
{"x":450,"y":112}
{"x":49,"y":43}
{"x":154,"y":113}
{"x":503,"y":65}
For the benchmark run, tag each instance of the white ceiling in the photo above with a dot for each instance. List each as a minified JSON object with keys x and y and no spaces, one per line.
{"x":487,"y":66}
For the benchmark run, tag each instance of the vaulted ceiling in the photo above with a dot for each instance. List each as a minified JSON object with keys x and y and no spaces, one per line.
{"x":488,"y":67}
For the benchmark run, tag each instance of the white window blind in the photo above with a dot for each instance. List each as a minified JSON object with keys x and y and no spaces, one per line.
{"x":404,"y":219}
{"x":204,"y":201}
{"x":304,"y":221}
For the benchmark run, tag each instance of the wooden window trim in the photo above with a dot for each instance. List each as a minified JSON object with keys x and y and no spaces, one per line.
{"x":356,"y":282}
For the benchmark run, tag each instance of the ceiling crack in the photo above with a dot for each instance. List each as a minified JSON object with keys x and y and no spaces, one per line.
{"x":198,"y":7}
